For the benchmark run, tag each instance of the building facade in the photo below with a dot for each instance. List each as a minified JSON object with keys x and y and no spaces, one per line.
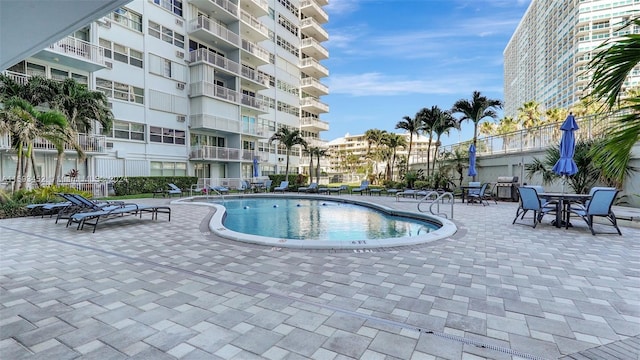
{"x":197,"y":87}
{"x":547,"y":58}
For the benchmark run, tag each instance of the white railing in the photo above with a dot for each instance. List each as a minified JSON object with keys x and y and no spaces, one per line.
{"x":98,"y":189}
{"x":311,"y":121}
{"x":19,"y":78}
{"x":220,"y":153}
{"x":311,"y":22}
{"x":255,"y":50}
{"x":315,"y":44}
{"x":254,"y":23}
{"x":311,"y":62}
{"x":88,"y":143}
{"x":5,"y":141}
{"x":214,"y":28}
{"x":213,"y":90}
{"x":535,"y":138}
{"x":204,"y":121}
{"x":263,"y":4}
{"x":253,"y":102}
{"x":79,"y":48}
{"x":212,"y":58}
{"x":309,"y":81}
{"x":310,"y":101}
{"x":254,"y":75}
{"x":311,"y":3}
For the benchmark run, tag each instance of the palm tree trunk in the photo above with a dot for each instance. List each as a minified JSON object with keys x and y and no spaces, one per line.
{"x":428,"y":155}
{"x":286,"y":171}
{"x":409,"y":151}
{"x":35,"y":171}
{"x":18,"y":176}
{"x":318,"y":169}
{"x":57,"y":173}
{"x":310,"y":168}
{"x":475,"y":141}
{"x":25,"y":167}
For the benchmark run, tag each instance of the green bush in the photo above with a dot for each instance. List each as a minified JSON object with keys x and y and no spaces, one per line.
{"x":14,"y":204}
{"x":147,"y":184}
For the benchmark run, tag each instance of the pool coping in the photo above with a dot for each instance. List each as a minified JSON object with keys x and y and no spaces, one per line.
{"x":448,"y":228}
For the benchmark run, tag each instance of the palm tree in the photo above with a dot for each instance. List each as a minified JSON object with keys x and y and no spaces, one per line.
{"x":611,"y":66}
{"x":374,"y":138}
{"x":82,"y":106}
{"x":26,"y":124}
{"x":412,"y":126}
{"x":529,"y":115}
{"x":393,"y":142}
{"x":320,"y":152}
{"x":428,"y":119}
{"x":506,"y":126}
{"x":478,"y":108}
{"x":488,"y":128}
{"x":288,"y":138}
{"x":445,"y":122}
{"x":311,"y":152}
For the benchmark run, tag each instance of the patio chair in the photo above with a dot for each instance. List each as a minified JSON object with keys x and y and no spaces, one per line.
{"x":267,"y":185}
{"x":284,"y":186}
{"x":599,"y":205}
{"x":313,"y":187}
{"x":364,"y":187}
{"x":78,"y":203}
{"x":479,"y":196}
{"x":174,"y":190}
{"x":219,"y":189}
{"x":94,"y":217}
{"x":339,"y":189}
{"x":529,"y":200}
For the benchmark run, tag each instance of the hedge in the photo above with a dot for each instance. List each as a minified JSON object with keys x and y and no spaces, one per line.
{"x":147,"y":184}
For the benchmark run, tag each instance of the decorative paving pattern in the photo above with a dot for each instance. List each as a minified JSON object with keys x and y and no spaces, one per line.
{"x":166,"y":290}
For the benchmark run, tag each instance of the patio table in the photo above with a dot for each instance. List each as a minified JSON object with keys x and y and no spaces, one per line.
{"x":563,"y":205}
{"x":465,"y":190}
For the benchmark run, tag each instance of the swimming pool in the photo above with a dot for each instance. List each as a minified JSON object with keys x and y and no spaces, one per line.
{"x":321,"y":223}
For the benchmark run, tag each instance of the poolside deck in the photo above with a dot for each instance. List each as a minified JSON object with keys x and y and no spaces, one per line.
{"x":167,"y":290}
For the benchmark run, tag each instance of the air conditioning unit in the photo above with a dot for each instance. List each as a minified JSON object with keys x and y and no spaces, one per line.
{"x":180,"y":54}
{"x":105,"y":23}
{"x":109,"y":104}
{"x":181,"y":118}
{"x":109,"y":145}
{"x":108,"y":64}
{"x":179,"y":22}
{"x":180,"y":86}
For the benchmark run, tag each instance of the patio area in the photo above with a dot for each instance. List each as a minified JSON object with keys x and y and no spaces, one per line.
{"x":166,"y":290}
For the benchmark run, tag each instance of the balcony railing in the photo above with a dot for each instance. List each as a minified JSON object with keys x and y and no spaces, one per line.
{"x":310,"y":8}
{"x":254,"y":23}
{"x":220,"y":153}
{"x":321,"y":51}
{"x":212,"y":58}
{"x":305,"y":82}
{"x":88,"y":143}
{"x":315,"y":123}
{"x":19,"y":78}
{"x":5,"y":141}
{"x":210,"y":89}
{"x":210,"y":122}
{"x":254,"y":75}
{"x":263,"y":4}
{"x":253,"y":102}
{"x":535,"y":138}
{"x":317,"y":69}
{"x":204,"y":23}
{"x":79,"y":49}
{"x":256,"y":50}
{"x":312,"y":24}
{"x":310,"y":101}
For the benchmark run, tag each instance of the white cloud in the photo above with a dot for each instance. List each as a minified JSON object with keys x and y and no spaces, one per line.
{"x":378,"y":84}
{"x":341,"y":7}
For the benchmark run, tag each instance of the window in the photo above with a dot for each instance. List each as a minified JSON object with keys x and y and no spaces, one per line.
{"x":165,"y":34}
{"x":128,"y":18}
{"x":127,"y":130}
{"x":122,"y":53}
{"x":166,"y":136}
{"x":167,"y":168}
{"x":175,"y":6}
{"x":120,"y":91}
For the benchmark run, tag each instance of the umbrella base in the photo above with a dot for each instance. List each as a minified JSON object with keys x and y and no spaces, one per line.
{"x":562,"y":224}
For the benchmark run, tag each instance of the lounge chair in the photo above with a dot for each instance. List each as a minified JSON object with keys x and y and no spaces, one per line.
{"x":529,"y":200}
{"x":338,"y":190}
{"x":599,"y":205}
{"x":219,"y":189}
{"x":174,"y":190}
{"x":284,"y":186}
{"x":94,"y":217}
{"x":364,"y":187}
{"x":267,"y":185}
{"x":78,"y":203}
{"x":313,"y":187}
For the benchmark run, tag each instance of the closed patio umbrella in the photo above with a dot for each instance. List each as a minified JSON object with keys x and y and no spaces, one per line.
{"x":472,"y":161}
{"x":255,"y":167}
{"x":566,"y":166}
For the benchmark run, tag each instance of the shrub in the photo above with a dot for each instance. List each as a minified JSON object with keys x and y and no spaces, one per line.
{"x":148,"y":184}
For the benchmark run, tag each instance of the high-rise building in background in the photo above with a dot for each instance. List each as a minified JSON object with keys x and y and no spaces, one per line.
{"x":546,"y":59}
{"x":197,"y":87}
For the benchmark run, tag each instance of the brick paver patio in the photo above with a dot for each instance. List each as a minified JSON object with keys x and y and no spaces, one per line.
{"x":165,"y":290}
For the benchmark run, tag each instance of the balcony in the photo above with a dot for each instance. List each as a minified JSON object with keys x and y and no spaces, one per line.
{"x":312,"y":48}
{"x":257,"y":7}
{"x":313,"y":87}
{"x":312,"y":28}
{"x":253,"y":79}
{"x":253,"y":104}
{"x":206,"y":30}
{"x":313,"y":68}
{"x":203,"y":88}
{"x":90,"y":144}
{"x":253,"y":29}
{"x":5,"y":141}
{"x":311,"y":9}
{"x":211,"y":58}
{"x":19,"y":78}
{"x":313,"y":124}
{"x":322,"y":2}
{"x":74,"y":53}
{"x":207,"y":152}
{"x":254,"y":54}
{"x":315,"y":142}
{"x":215,"y":123}
{"x":225,"y":10}
{"x":313,"y":105}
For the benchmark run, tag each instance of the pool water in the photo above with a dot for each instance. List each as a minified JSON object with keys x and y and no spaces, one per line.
{"x":310,"y":219}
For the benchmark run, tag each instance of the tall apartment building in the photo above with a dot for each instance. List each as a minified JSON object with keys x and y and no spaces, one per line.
{"x":197,"y":87}
{"x":546,"y":59}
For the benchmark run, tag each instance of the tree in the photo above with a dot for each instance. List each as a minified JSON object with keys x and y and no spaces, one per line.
{"x":445,"y":122}
{"x":25,"y":124}
{"x":319,"y":152}
{"x":288,"y":138}
{"x":82,"y":106}
{"x":428,"y":118}
{"x":611,"y":65}
{"x":310,"y":151}
{"x":374,"y":138}
{"x":506,"y":126}
{"x":393,"y":142}
{"x":475,"y":110}
{"x":412,"y":126}
{"x":529,"y":115}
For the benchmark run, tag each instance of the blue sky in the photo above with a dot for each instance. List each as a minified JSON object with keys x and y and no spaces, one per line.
{"x":391,"y":58}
